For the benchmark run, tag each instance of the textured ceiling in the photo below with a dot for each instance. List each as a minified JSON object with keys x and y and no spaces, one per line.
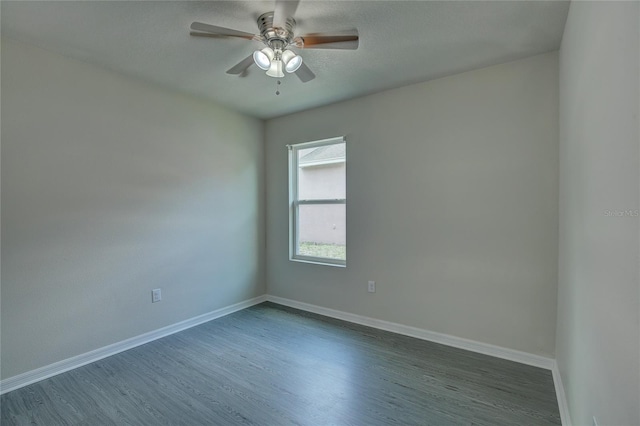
{"x":401,"y":42}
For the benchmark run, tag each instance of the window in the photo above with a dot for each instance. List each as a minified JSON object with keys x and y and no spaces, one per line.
{"x":318,"y":202}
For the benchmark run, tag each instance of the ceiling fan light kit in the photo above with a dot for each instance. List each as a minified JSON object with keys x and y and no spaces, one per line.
{"x":273,"y":61}
{"x":277,"y":33}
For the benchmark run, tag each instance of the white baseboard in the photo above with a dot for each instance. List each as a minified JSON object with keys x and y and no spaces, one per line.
{"x":563,"y":405}
{"x":419,"y":333}
{"x":24,"y":379}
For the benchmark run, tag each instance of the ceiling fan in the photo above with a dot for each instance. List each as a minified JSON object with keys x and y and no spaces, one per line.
{"x":277,"y":33}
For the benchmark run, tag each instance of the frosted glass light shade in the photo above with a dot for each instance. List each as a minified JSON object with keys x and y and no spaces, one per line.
{"x":276,"y":69}
{"x":263,"y":58}
{"x":291,"y":61}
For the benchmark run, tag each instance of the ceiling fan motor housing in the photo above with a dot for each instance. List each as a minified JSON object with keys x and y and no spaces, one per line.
{"x":275,"y":37}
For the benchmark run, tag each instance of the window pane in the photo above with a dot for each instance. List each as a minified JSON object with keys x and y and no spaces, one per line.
{"x":321,"y":172}
{"x":322,"y":230}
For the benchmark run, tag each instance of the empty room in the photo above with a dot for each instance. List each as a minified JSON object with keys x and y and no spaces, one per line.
{"x":315,"y":212}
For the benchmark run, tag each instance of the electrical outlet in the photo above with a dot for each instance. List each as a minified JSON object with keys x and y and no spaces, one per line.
{"x":371,"y":287}
{"x":156,"y":295}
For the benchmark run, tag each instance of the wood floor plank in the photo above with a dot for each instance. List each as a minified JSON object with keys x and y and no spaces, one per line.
{"x":274,"y":365}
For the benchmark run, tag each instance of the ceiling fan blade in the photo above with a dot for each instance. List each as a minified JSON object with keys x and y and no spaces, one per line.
{"x":220,"y":31}
{"x":347,"y":40}
{"x":304,"y":73}
{"x":284,"y":10}
{"x":198,"y":34}
{"x":241,"y":66}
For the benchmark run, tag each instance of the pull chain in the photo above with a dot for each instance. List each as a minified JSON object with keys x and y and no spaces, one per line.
{"x":277,"y":87}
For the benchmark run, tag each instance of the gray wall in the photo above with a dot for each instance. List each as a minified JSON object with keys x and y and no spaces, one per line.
{"x":110,"y":188}
{"x":452,"y":190}
{"x":598,"y":346}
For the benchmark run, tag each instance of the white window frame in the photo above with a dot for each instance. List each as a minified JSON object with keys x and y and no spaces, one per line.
{"x":295,"y":202}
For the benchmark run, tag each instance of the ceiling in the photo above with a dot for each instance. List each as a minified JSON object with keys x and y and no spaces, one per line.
{"x":401,"y":42}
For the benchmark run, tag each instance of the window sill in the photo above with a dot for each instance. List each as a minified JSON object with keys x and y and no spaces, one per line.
{"x":317,"y":261}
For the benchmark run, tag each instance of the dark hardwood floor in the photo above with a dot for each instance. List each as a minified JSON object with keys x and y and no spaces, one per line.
{"x":272,"y":365}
